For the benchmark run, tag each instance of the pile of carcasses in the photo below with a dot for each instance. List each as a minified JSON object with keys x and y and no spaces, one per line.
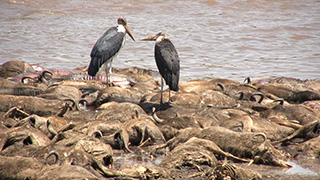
{"x":67,"y":125}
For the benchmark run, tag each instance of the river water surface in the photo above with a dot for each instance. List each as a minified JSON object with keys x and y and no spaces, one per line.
{"x":214,"y":38}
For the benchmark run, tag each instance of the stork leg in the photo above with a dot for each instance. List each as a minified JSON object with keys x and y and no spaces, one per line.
{"x":108,"y":72}
{"x":110,"y":68}
{"x":161,"y":99}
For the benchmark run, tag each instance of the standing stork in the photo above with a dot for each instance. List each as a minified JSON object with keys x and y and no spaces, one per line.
{"x":107,"y":47}
{"x":167,"y":61}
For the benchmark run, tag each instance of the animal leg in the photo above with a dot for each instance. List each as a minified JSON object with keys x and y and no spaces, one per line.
{"x":302,"y":131}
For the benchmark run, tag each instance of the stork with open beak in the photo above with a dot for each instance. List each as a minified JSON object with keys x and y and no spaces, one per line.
{"x":167,"y":60}
{"x":107,"y":48}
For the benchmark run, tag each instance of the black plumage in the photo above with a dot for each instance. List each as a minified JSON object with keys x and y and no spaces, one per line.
{"x":167,"y":60}
{"x":107,"y":47}
{"x":168,"y":63}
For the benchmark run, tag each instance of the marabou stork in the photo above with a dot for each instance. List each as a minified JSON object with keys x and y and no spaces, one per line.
{"x":107,"y":47}
{"x":167,"y":60}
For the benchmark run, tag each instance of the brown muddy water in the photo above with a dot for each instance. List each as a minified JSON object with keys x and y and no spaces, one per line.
{"x":227,"y":39}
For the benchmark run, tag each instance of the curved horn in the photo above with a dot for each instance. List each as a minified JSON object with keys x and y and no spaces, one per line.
{"x":241,"y":95}
{"x":281,"y":101}
{"x":137,"y":114}
{"x":46,"y":72}
{"x":74,"y":103}
{"x":51,"y":130}
{"x":43,"y":77}
{"x":257,"y":94}
{"x":223,"y":88}
{"x":57,"y":156}
{"x":83,"y":101}
{"x":248,"y":80}
{"x":97,"y":134}
{"x":27,"y":77}
{"x":262,"y":135}
{"x":262,"y":145}
{"x":85,"y":94}
{"x":64,"y":110}
{"x":121,"y":141}
{"x":155,"y":117}
{"x":141,"y":133}
{"x":53,"y":85}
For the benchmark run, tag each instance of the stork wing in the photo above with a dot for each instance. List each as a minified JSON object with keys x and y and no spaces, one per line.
{"x":168,"y":63}
{"x":105,"y":49}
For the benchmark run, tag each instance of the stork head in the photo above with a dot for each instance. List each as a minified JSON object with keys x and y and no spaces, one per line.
{"x":157,"y":37}
{"x":122,"y":21}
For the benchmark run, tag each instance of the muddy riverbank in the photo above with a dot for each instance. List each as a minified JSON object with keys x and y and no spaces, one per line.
{"x":65,"y":125}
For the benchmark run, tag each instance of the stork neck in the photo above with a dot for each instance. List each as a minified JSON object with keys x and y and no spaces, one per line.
{"x":121,"y":28}
{"x":160,"y":38}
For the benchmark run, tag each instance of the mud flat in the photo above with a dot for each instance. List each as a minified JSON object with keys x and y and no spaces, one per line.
{"x":67,"y":125}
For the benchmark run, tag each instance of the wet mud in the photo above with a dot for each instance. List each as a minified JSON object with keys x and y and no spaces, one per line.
{"x":57,"y":125}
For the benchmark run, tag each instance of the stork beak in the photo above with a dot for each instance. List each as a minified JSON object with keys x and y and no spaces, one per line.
{"x":129,"y":32}
{"x":150,"y":38}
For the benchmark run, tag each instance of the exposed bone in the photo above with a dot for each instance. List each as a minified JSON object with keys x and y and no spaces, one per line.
{"x":230,"y":171}
{"x":13,"y":110}
{"x":301,"y":131}
{"x":145,"y":142}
